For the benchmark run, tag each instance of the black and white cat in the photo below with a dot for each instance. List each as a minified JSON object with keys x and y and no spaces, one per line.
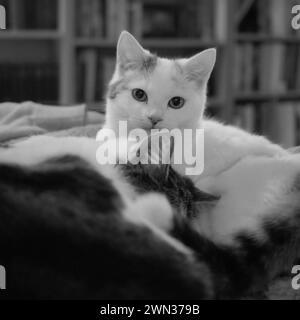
{"x":73,"y":229}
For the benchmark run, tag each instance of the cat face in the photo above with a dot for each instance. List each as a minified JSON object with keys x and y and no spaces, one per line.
{"x":151,"y":92}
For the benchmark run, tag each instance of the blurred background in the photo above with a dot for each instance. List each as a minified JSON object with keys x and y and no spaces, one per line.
{"x":63,"y":52}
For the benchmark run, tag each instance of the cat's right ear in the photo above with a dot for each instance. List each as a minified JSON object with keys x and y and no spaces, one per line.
{"x":200,"y":66}
{"x":129,"y":51}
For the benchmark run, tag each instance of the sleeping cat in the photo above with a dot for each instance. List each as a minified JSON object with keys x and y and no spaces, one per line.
{"x":69,"y":229}
{"x":244,"y":169}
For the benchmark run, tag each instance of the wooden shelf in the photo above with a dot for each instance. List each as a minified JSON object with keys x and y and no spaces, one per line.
{"x":29,"y":35}
{"x":256,"y":97}
{"x":266,"y":38}
{"x":149,"y":43}
{"x":214,"y":102}
{"x":94,"y":43}
{"x":264,"y":96}
{"x":179,"y":43}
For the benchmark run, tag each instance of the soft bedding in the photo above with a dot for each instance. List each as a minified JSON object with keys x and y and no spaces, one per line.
{"x":19,"y":120}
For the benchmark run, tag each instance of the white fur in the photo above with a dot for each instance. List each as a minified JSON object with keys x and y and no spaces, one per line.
{"x":254,"y":189}
{"x":248,"y":171}
{"x":225,"y":145}
{"x":163,"y":83}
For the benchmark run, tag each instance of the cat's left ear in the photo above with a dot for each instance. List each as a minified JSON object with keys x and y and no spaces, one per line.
{"x":199,"y":67}
{"x":129,"y":51}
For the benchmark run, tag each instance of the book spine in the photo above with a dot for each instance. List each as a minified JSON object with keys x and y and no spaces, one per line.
{"x":136,"y":21}
{"x":90,"y":60}
{"x":281,"y":117}
{"x":123,"y":15}
{"x":111,"y":19}
{"x":220,"y":26}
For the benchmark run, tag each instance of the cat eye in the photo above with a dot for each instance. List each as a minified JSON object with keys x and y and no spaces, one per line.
{"x":139,"y":95}
{"x":176,"y":103}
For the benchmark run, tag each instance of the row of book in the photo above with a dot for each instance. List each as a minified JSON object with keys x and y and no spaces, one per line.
{"x":38,"y":82}
{"x":188,"y":19}
{"x":279,"y":121}
{"x":94,"y":71}
{"x":178,"y":18}
{"x":106,"y":18}
{"x":165,"y":18}
{"x":31,"y":14}
{"x":265,"y":17}
{"x":256,"y":63}
{"x":268,"y":67}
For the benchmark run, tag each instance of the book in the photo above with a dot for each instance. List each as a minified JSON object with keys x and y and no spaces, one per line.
{"x":136,"y":18}
{"x":90,"y":18}
{"x":32,"y":81}
{"x":279,"y":120}
{"x":220,"y":18}
{"x":90,"y":76}
{"x":111,"y":19}
{"x":122,"y":22}
{"x":245,"y":117}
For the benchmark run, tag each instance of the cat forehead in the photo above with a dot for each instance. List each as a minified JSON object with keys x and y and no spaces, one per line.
{"x":166,"y":77}
{"x":166,"y":74}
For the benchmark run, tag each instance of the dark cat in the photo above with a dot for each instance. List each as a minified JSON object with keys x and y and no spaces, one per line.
{"x":64,"y":234}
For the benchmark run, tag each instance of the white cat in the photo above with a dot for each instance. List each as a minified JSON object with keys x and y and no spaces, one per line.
{"x":152,"y":92}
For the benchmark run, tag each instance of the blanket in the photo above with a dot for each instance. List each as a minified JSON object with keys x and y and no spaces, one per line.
{"x":19,"y":120}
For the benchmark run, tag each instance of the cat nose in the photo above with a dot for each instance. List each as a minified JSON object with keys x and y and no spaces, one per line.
{"x":155,"y":120}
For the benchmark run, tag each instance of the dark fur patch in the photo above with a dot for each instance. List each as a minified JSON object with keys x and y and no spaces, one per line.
{"x":146,"y":65}
{"x":179,"y":190}
{"x":115,"y":88}
{"x":149,"y":63}
{"x":62,"y":236}
{"x":232,"y":274}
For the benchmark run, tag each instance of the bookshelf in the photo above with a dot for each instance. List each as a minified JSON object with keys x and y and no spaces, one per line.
{"x":29,"y":35}
{"x":76,"y":43}
{"x":29,"y":61}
